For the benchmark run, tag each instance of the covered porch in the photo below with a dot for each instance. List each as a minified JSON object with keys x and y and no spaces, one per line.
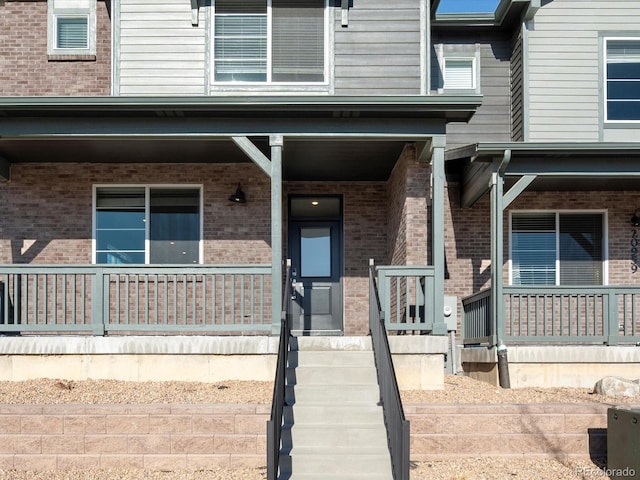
{"x":60,"y":156}
{"x":563,"y":249}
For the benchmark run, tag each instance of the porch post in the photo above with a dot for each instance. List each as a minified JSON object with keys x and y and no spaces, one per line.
{"x":437,"y":232}
{"x":497,"y":247}
{"x":276,"y":143}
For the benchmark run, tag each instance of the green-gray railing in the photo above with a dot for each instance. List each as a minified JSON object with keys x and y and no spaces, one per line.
{"x":579,"y":314}
{"x":142,"y":298}
{"x":406,"y":296}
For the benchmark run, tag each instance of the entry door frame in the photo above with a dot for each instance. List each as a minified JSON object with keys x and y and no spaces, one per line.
{"x":294,"y":222}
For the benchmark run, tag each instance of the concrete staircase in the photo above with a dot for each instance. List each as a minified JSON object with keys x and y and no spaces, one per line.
{"x":334,"y":426}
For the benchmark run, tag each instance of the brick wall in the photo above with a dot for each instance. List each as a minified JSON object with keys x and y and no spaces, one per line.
{"x":408,"y":213}
{"x":54,"y":205}
{"x":365,"y":237}
{"x":468,"y":236}
{"x":154,"y":437}
{"x":25,"y":69}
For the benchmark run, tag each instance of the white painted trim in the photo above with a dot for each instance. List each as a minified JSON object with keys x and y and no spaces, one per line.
{"x":269,"y":85}
{"x":605,"y":80}
{"x":52,"y":16}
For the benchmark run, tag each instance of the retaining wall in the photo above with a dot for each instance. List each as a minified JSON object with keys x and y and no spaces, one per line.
{"x":192,"y":437}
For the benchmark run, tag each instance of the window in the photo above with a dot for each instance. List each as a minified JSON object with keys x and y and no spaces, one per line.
{"x":557,"y":249}
{"x":459,"y":74}
{"x":71,"y":27}
{"x":159,"y":225}
{"x":269,"y":41}
{"x":622,"y":102}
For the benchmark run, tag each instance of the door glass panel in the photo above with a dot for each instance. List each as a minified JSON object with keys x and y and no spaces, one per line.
{"x":315,"y":252}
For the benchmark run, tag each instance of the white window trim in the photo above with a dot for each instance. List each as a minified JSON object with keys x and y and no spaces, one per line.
{"x":605,"y":239}
{"x":458,"y":52}
{"x":147,"y":188}
{"x":225,"y":85}
{"x":605,"y":79}
{"x":54,"y":13}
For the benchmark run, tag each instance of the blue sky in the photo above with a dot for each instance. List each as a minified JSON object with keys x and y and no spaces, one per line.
{"x":467,"y":6}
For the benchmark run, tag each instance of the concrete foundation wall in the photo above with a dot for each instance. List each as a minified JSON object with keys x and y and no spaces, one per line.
{"x":554,"y":366}
{"x":419,"y":360}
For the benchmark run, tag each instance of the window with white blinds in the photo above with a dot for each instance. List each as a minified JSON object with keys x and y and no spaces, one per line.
{"x":459,"y":74}
{"x":557,"y":249}
{"x":71,"y":26}
{"x":243,"y":51}
{"x":623,"y":79}
{"x":72,"y":32}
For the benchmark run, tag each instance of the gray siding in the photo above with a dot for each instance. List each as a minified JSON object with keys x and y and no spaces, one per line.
{"x":160,"y":52}
{"x":565,"y":67}
{"x":517,"y":89}
{"x":491,"y":123}
{"x":379,"y":52}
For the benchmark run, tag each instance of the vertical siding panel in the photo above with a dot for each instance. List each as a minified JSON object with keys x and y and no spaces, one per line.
{"x":517,"y":89}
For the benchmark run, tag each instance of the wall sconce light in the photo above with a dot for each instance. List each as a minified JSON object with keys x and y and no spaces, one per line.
{"x":238,"y":196}
{"x":635,"y":220}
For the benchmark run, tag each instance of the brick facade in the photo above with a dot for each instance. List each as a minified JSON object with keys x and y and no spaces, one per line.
{"x":27,"y":70}
{"x":468,"y":236}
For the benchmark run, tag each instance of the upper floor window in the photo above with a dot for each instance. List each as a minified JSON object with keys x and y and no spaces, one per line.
{"x":459,"y":73}
{"x":159,"y":225}
{"x":71,"y":27}
{"x":553,"y":248}
{"x":622,"y":102}
{"x":269,"y":41}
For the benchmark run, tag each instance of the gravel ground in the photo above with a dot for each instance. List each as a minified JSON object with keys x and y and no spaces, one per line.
{"x":458,"y":389}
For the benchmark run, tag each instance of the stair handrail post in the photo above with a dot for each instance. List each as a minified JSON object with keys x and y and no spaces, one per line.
{"x":274,"y":424}
{"x":398,"y":428}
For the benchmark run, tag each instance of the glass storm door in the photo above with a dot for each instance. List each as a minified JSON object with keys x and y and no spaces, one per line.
{"x":315,"y":249}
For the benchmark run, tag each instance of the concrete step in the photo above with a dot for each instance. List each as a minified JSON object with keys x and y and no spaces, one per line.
{"x":334,"y":375}
{"x":331,"y":343}
{"x":336,"y":395}
{"x":331,"y":414}
{"x":328,"y":358}
{"x":334,"y":436}
{"x":333,"y":465}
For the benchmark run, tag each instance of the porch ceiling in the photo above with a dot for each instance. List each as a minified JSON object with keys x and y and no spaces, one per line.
{"x":310,"y":160}
{"x":549,"y":166}
{"x":325,"y":137}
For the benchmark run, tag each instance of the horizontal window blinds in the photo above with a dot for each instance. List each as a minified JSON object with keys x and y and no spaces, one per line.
{"x":298,"y":40}
{"x":72,"y":32}
{"x":581,"y":249}
{"x":533,"y":249}
{"x":459,"y":74}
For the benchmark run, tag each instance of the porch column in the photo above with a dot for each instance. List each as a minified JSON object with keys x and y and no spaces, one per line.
{"x":497,"y":246}
{"x":276,"y":143}
{"x":437,"y":231}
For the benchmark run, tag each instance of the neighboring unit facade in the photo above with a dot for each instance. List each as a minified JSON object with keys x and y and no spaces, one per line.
{"x":437,"y":145}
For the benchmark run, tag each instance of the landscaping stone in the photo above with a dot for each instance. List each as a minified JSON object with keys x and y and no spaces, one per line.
{"x":617,"y":387}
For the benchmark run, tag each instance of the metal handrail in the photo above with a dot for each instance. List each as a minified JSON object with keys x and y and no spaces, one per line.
{"x":274,"y":424}
{"x":398,"y":428}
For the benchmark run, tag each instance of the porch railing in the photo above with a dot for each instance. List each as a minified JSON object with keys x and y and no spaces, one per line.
{"x":600,"y":314}
{"x":406,"y":296}
{"x":144,"y":298}
{"x":398,"y":428}
{"x":274,"y":424}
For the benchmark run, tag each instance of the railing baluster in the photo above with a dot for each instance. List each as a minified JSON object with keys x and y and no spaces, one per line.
{"x":204,"y":299}
{"x":223,"y":294}
{"x":242,"y":280}
{"x":214,"y":292}
{"x":252,"y":281}
{"x":232,"y":288}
